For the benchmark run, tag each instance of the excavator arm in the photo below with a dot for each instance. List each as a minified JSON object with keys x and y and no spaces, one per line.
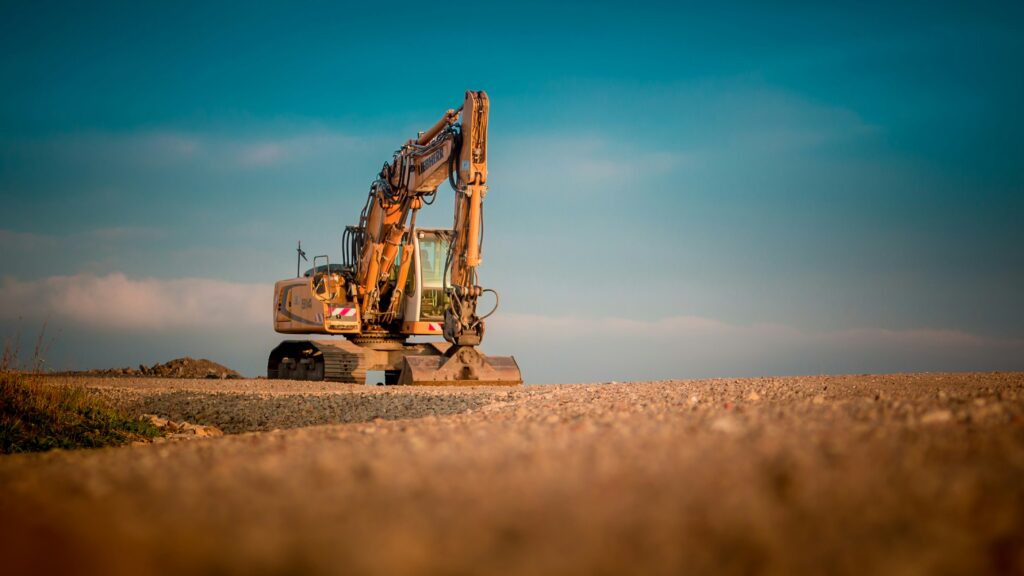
{"x":453,"y":149}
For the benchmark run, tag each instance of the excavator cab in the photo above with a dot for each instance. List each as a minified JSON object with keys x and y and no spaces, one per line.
{"x":326,"y":281}
{"x":425,"y":296}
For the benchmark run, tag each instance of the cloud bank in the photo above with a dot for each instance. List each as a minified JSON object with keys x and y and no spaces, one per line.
{"x":112,"y":319}
{"x":594,"y":349}
{"x":115,"y":301}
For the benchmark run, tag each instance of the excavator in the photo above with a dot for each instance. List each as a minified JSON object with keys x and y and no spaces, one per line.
{"x":396,"y":283}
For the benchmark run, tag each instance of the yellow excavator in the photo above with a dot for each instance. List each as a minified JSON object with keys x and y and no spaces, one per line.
{"x":396,"y":281}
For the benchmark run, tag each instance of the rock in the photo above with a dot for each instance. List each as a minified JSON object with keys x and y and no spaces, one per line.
{"x":985,"y":411}
{"x":937,"y":417}
{"x":154,"y":420}
{"x":181,"y":430}
{"x":209,"y":432}
{"x":726,"y":425}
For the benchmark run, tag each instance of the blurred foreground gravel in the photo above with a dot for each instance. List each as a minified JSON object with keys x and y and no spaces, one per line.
{"x":894,"y":474}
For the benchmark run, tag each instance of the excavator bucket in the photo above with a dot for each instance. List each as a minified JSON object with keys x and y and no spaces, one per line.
{"x":461,"y":366}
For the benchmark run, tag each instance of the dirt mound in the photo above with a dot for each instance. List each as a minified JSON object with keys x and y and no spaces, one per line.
{"x":178,"y":368}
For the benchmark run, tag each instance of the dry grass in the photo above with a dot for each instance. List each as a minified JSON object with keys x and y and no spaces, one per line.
{"x":37,"y":414}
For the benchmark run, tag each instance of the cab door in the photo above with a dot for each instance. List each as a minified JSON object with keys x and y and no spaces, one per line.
{"x":426,"y":299}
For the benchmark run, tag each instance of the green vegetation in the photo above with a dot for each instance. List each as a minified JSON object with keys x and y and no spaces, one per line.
{"x":37,"y":415}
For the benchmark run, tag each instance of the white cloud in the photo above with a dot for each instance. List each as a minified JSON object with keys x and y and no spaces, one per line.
{"x":101,"y":249}
{"x":170,"y":143}
{"x":261,"y":154}
{"x":763,"y":118}
{"x":13,"y":242}
{"x":267,"y":152}
{"x":123,"y":233}
{"x":578,"y":164}
{"x":98,"y":308}
{"x":148,"y":148}
{"x":119,"y":302}
{"x":562,"y":327}
{"x":575,"y":348}
{"x":171,"y":149}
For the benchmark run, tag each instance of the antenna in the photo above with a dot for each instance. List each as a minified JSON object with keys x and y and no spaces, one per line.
{"x":299,"y":258}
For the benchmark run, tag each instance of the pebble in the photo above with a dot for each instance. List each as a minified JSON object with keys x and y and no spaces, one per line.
{"x":726,"y":425}
{"x":937,"y":417}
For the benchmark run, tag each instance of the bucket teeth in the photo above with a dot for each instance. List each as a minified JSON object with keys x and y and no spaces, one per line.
{"x":461,"y":366}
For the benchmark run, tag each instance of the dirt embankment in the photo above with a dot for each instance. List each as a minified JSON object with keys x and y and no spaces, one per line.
{"x":896,"y":474}
{"x":178,"y":368}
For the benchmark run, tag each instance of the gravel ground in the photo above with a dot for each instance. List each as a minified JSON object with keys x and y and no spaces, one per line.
{"x":894,"y":474}
{"x":237,"y":406}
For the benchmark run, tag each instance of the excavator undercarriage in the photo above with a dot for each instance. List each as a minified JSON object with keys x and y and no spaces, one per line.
{"x":421,"y":363}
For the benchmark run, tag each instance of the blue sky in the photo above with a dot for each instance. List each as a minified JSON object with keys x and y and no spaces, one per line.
{"x":676,"y":191}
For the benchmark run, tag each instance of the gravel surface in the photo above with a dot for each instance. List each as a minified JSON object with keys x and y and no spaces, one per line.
{"x":895,"y":474}
{"x":258,"y":406}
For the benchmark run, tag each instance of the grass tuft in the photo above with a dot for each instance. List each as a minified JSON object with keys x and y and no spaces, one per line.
{"x":38,"y":415}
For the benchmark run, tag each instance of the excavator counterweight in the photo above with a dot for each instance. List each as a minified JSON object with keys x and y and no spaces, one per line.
{"x":396,"y":281}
